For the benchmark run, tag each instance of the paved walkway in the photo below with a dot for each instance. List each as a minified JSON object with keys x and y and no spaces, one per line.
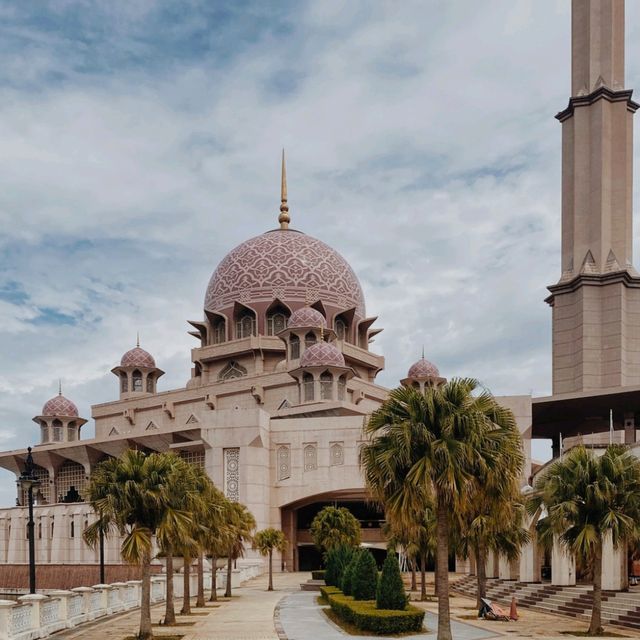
{"x":302,"y":619}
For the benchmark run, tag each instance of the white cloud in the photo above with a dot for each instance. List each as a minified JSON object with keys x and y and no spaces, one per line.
{"x":140,"y":144}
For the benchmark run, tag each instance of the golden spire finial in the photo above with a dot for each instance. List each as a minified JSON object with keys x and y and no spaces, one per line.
{"x":284,"y":218}
{"x":137,"y":338}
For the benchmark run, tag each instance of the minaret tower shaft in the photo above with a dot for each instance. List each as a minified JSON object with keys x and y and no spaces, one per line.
{"x":596,"y":303}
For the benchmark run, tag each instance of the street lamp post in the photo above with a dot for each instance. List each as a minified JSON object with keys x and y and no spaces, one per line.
{"x":27,"y":481}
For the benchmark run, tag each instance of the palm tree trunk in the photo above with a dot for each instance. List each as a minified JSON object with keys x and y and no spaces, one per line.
{"x":481,"y":572}
{"x":423,"y":577}
{"x":170,"y":610}
{"x":435,"y":578}
{"x":214,"y":578}
{"x":200,"y":598}
{"x":595,"y":628}
{"x":146,"y":632}
{"x":442,"y":569}
{"x":227,"y":591}
{"x":414,"y":583}
{"x":186,"y":587}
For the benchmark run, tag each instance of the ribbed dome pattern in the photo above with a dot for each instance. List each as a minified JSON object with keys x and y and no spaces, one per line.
{"x":138,"y":357}
{"x":322,"y":354}
{"x":306,"y":317}
{"x":60,"y":406}
{"x":423,"y":369}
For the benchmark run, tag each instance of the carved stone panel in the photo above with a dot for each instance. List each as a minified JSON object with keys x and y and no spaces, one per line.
{"x":284,"y":462}
{"x":310,"y":457}
{"x":232,"y":474}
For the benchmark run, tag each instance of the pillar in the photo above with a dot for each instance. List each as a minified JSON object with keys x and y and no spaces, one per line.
{"x":614,"y":565}
{"x":563,"y":565}
{"x":492,"y":565}
{"x":530,"y":562}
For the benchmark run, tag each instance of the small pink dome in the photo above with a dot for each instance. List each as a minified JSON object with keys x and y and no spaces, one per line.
{"x":306,"y":317}
{"x":138,"y":357}
{"x":60,"y":406}
{"x":423,"y":369}
{"x":322,"y":354}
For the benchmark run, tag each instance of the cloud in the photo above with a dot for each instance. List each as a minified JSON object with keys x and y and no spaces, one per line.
{"x":141,"y":142}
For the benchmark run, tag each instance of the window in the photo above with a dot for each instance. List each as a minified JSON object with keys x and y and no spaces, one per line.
{"x":294,"y":347}
{"x":149,"y":383}
{"x":310,"y":339}
{"x":245,"y":326}
{"x":71,"y":481}
{"x":276,"y":322}
{"x":307,"y":385}
{"x":124,"y":383}
{"x":326,"y":386}
{"x":342,"y":387}
{"x":45,"y":432}
{"x":39,"y":530}
{"x":218,"y":331}
{"x":71,"y":431}
{"x":72,"y":533}
{"x":232,"y":370}
{"x":137,"y":381}
{"x":57,"y":431}
{"x":341,"y":329}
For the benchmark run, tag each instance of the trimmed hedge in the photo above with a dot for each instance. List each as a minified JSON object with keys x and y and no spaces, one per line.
{"x":364,"y":582}
{"x":317,"y":575}
{"x":364,"y":615}
{"x":336,"y":561}
{"x":391,"y":593}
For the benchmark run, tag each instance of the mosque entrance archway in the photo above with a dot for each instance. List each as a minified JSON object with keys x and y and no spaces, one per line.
{"x":301,"y":554}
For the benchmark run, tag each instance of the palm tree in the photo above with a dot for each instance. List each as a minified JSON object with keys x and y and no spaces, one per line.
{"x":334,"y":527}
{"x":266,"y":541}
{"x":587,"y":498}
{"x":242,"y":524}
{"x":131,"y":494}
{"x":438,"y":442}
{"x":173,"y":533}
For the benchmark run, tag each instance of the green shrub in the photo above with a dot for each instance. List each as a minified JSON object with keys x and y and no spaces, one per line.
{"x":329,"y":591}
{"x":318,"y":574}
{"x":365,"y":577}
{"x":347,"y":576}
{"x":336,"y":561}
{"x":391,"y":593}
{"x":366,"y":617}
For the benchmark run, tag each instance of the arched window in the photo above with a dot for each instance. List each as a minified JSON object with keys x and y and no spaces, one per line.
{"x":52,"y":529}
{"x":326,"y":386}
{"x":57,"y":431}
{"x":149,"y":383}
{"x":71,"y":431}
{"x":245,"y":325}
{"x":39,"y":530}
{"x":310,"y":339}
{"x":276,"y":322}
{"x":45,"y":432}
{"x":73,"y":530}
{"x":307,"y":385}
{"x":294,"y":347}
{"x":124,"y":383}
{"x":219,"y":331}
{"x":137,"y":381}
{"x":342,"y":387}
{"x":340,"y":327}
{"x":232,"y":370}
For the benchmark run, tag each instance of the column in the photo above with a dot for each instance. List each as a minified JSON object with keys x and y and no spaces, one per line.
{"x":491,"y":565}
{"x":563,"y":565}
{"x":614,"y":565}
{"x":530,"y":561}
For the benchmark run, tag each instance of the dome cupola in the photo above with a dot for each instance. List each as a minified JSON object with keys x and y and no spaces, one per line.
{"x":59,"y":420}
{"x":306,"y":318}
{"x":423,"y":374}
{"x":137,"y":372}
{"x":322,"y":354}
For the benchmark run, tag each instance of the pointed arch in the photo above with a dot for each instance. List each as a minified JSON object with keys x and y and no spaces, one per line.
{"x":276,"y":317}
{"x":232,"y":370}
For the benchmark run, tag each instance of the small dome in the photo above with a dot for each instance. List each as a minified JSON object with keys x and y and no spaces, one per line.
{"x":322,"y":354}
{"x":306,"y":317}
{"x":138,"y":357}
{"x":423,"y":369}
{"x":60,"y":406}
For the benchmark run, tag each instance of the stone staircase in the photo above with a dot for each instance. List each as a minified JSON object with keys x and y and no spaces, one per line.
{"x":619,"y":608}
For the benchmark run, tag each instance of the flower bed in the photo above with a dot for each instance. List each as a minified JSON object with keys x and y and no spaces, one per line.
{"x":364,"y":615}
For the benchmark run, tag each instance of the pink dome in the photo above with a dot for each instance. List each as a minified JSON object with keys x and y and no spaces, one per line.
{"x":286,"y":265}
{"x":60,"y":406}
{"x":322,"y":354}
{"x":423,"y":369}
{"x":306,"y":317}
{"x":138,"y":357}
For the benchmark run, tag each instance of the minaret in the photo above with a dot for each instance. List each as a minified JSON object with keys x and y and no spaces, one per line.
{"x":596,"y":303}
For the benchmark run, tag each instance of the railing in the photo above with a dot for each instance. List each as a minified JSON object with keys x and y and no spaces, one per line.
{"x":597,"y":440}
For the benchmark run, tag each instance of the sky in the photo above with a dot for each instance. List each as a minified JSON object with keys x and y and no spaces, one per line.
{"x":140,"y":142}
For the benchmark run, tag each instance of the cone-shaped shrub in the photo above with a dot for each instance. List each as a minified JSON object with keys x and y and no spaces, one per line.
{"x":365,"y":577}
{"x":336,"y":562}
{"x":391,"y":593}
{"x":347,"y":576}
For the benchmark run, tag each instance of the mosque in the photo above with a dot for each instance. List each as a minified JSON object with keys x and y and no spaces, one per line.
{"x":284,"y":374}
